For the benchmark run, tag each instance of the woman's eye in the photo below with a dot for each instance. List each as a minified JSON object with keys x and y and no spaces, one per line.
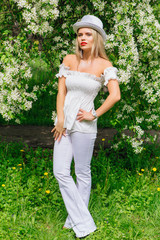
{"x":87,"y":34}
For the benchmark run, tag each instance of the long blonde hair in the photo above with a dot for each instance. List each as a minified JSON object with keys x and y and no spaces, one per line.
{"x":98,"y":49}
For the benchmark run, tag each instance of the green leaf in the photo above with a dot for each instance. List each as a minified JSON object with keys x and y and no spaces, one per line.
{"x":3,"y":58}
{"x":6,"y":32}
{"x":118,"y":17}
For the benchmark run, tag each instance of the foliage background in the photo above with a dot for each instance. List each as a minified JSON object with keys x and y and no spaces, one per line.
{"x":36,"y":35}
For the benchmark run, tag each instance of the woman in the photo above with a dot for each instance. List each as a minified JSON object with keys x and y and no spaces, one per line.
{"x":80,"y":78}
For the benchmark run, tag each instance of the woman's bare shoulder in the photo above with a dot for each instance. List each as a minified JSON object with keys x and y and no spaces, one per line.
{"x":105,"y":63}
{"x":69,"y":60}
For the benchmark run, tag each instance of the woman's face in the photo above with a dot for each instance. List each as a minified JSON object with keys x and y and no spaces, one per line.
{"x":85,"y":38}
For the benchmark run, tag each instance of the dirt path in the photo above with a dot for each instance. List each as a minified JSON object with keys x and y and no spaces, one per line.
{"x":41,"y":136}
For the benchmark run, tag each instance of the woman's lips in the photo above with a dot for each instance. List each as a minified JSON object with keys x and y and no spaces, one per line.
{"x":83,"y":43}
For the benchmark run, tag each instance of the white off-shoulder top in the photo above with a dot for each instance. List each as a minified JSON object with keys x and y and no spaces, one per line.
{"x":82,"y":88}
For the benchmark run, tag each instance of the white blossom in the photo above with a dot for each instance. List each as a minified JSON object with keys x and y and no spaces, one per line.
{"x":53,"y":116}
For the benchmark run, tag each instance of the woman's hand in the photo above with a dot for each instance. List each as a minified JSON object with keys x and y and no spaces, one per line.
{"x":58,"y":131}
{"x":83,"y":115}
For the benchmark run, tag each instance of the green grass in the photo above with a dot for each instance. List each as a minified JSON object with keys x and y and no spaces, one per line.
{"x":124,"y":202}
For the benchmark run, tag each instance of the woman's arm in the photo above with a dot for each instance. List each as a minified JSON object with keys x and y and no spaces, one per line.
{"x":58,"y":129}
{"x":114,"y":96}
{"x":62,"y":91}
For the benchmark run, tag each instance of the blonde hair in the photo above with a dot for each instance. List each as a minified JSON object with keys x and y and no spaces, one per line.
{"x":98,"y":49}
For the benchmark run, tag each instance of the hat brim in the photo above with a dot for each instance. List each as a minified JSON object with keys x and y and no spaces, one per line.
{"x":78,"y":25}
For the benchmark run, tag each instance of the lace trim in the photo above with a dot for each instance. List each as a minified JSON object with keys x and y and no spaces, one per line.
{"x":63,"y":70}
{"x":109,"y":74}
{"x":94,"y":77}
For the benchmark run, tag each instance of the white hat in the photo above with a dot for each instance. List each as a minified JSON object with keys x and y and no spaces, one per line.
{"x":90,"y":21}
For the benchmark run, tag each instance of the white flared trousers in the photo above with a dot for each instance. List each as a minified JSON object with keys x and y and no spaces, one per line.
{"x":79,"y":146}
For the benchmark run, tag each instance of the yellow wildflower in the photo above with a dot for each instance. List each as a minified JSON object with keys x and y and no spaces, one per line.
{"x":36,"y":42}
{"x":42,"y":176}
{"x":47,"y":191}
{"x":3,"y":185}
{"x":144,"y":148}
{"x":19,"y":164}
{"x":46,"y":173}
{"x":39,"y":189}
{"x":103,"y":139}
{"x":142,"y":170}
{"x":158,"y":189}
{"x":20,"y":168}
{"x":21,"y":150}
{"x":13,"y":168}
{"x":154,"y":169}
{"x":157,"y":157}
{"x":140,"y":174}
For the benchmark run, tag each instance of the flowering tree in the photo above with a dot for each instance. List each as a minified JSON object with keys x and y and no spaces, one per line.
{"x":135,"y":35}
{"x":23,"y":23}
{"x":44,"y":27}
